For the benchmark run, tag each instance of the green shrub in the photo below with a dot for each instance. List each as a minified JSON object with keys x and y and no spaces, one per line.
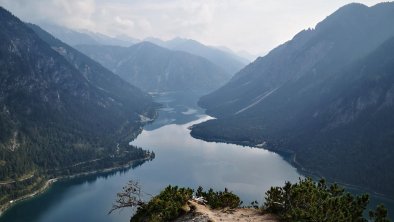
{"x":315,"y":201}
{"x":164,"y":207}
{"x":221,"y":199}
{"x":170,"y":203}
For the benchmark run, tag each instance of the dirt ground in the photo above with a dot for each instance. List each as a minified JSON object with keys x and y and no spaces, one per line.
{"x":202,"y":213}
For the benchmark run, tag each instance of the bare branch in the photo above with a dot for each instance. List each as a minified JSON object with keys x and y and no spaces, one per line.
{"x":131,"y":196}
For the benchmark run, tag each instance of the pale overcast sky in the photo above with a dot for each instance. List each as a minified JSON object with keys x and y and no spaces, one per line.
{"x":252,"y":25}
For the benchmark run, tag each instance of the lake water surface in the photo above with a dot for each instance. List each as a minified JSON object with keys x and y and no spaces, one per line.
{"x":180,"y":160}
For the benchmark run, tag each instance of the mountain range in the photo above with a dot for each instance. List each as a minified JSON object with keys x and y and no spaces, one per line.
{"x":227,"y":60}
{"x":326,"y":97}
{"x":154,"y":68}
{"x":73,"y":37}
{"x":224,"y":58}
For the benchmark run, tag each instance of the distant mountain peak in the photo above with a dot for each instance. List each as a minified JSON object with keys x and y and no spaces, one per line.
{"x":80,"y":37}
{"x":228,"y":61}
{"x":146,"y":44}
{"x":154,"y":68}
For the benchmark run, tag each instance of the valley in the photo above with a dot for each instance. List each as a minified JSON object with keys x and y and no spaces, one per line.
{"x":90,"y":101}
{"x":216,"y":165}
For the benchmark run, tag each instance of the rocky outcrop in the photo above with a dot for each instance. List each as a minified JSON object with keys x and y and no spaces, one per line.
{"x":202,"y":213}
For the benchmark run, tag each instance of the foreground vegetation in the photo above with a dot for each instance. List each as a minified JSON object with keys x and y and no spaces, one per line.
{"x":316,"y":201}
{"x":303,"y":201}
{"x":171,"y":202}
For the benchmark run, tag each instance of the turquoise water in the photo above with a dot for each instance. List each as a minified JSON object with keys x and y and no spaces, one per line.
{"x":180,"y":160}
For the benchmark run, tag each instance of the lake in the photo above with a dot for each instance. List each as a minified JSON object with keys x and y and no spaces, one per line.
{"x":180,"y":160}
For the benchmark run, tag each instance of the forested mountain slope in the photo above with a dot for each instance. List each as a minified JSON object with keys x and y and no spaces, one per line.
{"x":343,"y":37}
{"x":58,"y":107}
{"x":327,"y":95}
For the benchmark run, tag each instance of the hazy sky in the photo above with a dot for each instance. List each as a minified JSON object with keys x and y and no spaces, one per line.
{"x":252,"y":25}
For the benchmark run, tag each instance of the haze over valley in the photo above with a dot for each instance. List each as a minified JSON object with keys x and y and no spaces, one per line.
{"x":104,"y":104}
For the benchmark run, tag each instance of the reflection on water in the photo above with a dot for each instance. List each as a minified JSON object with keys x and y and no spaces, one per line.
{"x":180,"y":160}
{"x":183,"y":160}
{"x":177,"y":108}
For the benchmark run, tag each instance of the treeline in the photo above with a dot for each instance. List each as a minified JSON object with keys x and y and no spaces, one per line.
{"x":17,"y":189}
{"x":134,"y":154}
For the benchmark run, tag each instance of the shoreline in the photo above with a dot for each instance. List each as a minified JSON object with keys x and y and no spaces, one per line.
{"x":290,"y":156}
{"x":41,"y":190}
{"x":50,"y":182}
